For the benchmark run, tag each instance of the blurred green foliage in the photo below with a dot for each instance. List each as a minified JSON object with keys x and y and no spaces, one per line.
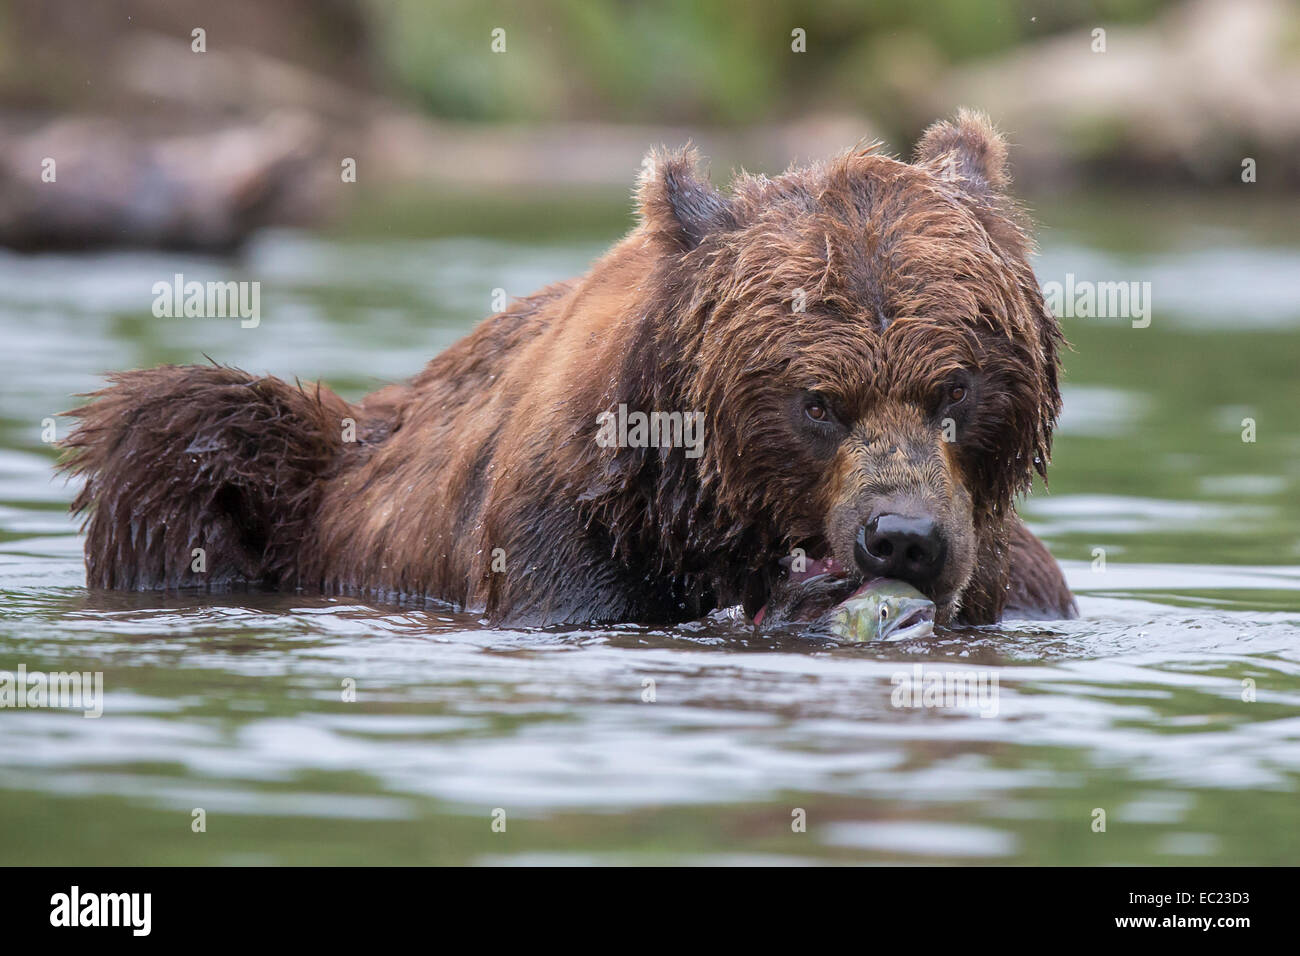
{"x":722,"y":61}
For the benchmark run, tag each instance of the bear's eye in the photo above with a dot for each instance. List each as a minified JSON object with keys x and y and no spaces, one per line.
{"x":816,"y":411}
{"x":956,"y":393}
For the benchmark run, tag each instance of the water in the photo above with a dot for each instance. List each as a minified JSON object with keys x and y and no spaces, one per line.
{"x":234,"y":704}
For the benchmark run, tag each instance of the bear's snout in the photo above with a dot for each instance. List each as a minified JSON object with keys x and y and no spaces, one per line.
{"x":898,"y":506}
{"x":909,"y":547}
{"x":924,"y":535}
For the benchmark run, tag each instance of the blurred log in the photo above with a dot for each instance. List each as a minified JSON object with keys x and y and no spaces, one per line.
{"x":114,"y":186}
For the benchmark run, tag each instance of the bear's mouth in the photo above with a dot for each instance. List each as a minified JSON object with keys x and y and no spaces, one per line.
{"x":813,"y":567}
{"x":814,"y":584}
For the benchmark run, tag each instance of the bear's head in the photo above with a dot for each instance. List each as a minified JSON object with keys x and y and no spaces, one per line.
{"x":873,"y":359}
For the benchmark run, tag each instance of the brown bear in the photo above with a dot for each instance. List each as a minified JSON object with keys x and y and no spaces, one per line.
{"x":850,"y":362}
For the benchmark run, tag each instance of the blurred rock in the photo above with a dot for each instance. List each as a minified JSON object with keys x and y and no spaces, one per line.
{"x":1183,"y":99}
{"x":410,"y":148}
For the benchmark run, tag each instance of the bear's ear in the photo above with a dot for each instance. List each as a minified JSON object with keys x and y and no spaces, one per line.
{"x":969,"y":149}
{"x":676,"y":201}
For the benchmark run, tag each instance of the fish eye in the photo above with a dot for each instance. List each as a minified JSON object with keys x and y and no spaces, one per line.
{"x":884,"y":612}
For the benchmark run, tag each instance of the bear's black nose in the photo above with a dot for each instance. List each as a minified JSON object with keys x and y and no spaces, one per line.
{"x":907,"y":547}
